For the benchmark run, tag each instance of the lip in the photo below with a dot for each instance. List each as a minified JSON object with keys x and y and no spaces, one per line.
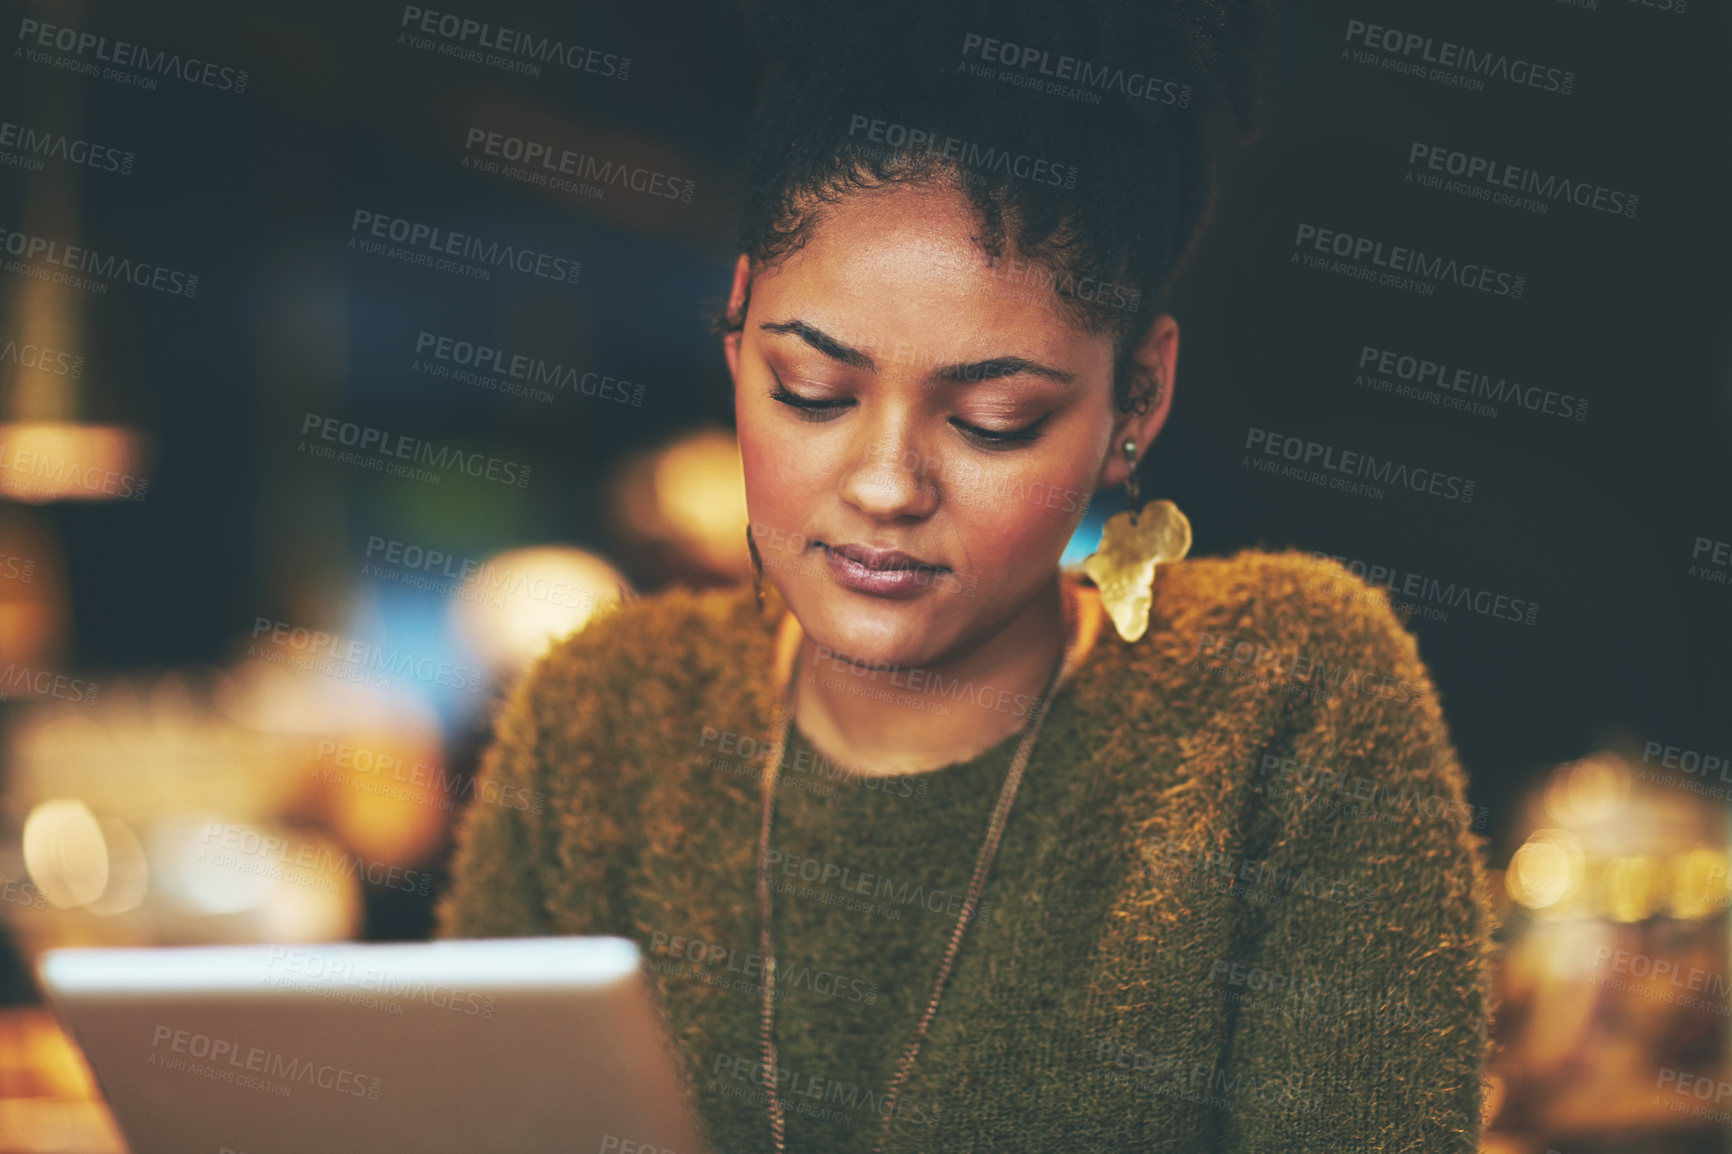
{"x":871,"y":558}
{"x":882,"y":572}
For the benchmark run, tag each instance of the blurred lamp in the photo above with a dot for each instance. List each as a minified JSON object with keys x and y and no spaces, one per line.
{"x":64,"y":431}
{"x":521,"y":601}
{"x":44,"y":461}
{"x":1590,"y":790}
{"x":65,"y":852}
{"x":701,"y":494}
{"x":1545,"y":869}
{"x":1631,"y":887}
{"x":128,"y":870}
{"x":1698,"y":883}
{"x":687,"y":502}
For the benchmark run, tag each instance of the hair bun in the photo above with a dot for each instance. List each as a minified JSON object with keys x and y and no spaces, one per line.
{"x":1078,"y":132}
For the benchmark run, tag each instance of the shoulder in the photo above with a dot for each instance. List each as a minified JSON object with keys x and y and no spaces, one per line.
{"x":1288,"y":597}
{"x":675,"y":634}
{"x":1314,"y":664}
{"x":643,"y":662}
{"x":1308,"y":715}
{"x":1250,"y":656}
{"x":1289,"y":616}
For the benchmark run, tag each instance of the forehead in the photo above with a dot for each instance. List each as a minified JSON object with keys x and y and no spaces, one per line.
{"x":901,"y":268}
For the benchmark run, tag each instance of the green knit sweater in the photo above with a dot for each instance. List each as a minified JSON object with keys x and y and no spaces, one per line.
{"x":1239,"y":904}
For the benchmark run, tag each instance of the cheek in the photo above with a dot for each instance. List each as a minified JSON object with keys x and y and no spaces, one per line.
{"x":776,"y":473}
{"x":755,"y":460}
{"x":1012,"y":518}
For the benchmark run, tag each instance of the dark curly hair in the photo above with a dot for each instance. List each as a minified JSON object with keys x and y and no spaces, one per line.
{"x":1078,"y":132}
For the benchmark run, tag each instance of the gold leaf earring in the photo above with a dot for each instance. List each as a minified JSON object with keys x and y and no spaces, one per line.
{"x":1133,"y":543}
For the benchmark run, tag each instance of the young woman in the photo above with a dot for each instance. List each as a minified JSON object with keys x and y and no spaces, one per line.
{"x":931,"y":844}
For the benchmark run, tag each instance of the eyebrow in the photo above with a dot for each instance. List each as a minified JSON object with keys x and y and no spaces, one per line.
{"x":966,"y":372}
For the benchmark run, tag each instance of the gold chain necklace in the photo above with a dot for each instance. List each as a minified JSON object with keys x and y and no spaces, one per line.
{"x":1081,"y":617}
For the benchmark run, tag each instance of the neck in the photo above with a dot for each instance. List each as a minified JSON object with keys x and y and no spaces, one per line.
{"x":913,"y":720}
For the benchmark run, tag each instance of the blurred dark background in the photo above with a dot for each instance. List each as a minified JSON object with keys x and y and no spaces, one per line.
{"x":158,"y":600}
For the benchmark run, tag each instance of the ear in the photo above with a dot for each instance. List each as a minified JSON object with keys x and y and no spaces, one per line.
{"x":1155,"y":359}
{"x":736,"y":304}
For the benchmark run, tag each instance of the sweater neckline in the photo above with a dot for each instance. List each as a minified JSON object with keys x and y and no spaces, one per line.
{"x":999,"y":751}
{"x":836,"y":781}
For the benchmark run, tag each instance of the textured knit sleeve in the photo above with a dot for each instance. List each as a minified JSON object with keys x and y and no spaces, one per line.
{"x":1361,"y":978}
{"x":542,"y":847}
{"x":495,"y":880}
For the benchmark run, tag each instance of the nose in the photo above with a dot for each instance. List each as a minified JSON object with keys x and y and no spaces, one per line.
{"x":891,"y":477}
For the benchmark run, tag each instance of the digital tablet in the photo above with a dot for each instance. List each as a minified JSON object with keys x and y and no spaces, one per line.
{"x":476,"y":1046}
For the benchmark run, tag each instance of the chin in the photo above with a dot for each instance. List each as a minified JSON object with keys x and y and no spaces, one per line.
{"x":871,"y":630}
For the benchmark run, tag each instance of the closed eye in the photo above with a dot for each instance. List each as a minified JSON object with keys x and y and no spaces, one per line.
{"x":997,"y":438}
{"x":816,"y":410}
{"x":808,"y":408}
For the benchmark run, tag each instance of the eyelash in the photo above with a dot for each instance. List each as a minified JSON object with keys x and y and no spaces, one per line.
{"x":809,"y":410}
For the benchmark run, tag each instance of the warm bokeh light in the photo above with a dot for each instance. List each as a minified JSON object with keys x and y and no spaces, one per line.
{"x":152,"y":746}
{"x":277,"y":883}
{"x":128,"y":870}
{"x":199,"y":885}
{"x":701,"y":492}
{"x":68,"y":461}
{"x":261,"y":748}
{"x":685,"y":505}
{"x":522,"y":600}
{"x":1698,"y":886}
{"x":1546,"y":868}
{"x":1630,"y":888}
{"x":65,"y":852}
{"x":383,"y":791}
{"x":1590,"y":790}
{"x":1561,"y":949}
